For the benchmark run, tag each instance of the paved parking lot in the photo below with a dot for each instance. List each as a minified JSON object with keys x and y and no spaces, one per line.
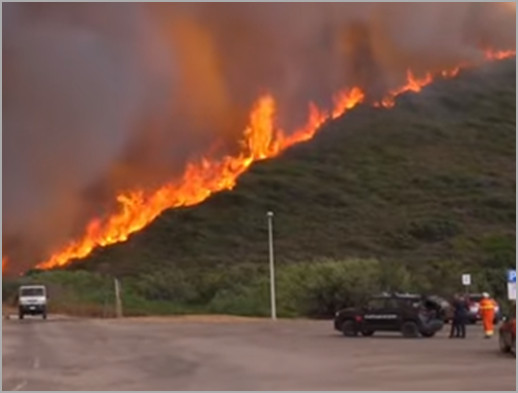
{"x":239,"y":354}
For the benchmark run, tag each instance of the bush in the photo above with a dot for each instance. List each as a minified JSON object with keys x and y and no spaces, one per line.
{"x":499,"y":251}
{"x":169,"y":285}
{"x":320,"y":289}
{"x":434,"y":230}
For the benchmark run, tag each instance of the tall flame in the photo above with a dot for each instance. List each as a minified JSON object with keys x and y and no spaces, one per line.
{"x":262,"y":139}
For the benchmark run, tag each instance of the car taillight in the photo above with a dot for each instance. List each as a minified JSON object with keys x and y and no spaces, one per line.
{"x":358,"y":318}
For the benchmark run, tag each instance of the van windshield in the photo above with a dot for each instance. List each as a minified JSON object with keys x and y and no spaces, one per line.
{"x":32,"y":292}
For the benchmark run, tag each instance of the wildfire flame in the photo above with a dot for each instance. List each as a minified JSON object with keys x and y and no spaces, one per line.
{"x":262,"y":139}
{"x":499,"y":55}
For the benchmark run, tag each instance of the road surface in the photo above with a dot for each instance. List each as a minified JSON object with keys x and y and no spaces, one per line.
{"x":220,"y":354}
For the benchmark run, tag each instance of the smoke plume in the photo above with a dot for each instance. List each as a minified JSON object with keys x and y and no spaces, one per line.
{"x":100,"y":98}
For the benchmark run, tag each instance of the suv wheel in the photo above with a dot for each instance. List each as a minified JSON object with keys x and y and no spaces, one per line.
{"x":427,"y":334}
{"x":349,"y":329}
{"x":410,"y":329}
{"x":367,"y":333}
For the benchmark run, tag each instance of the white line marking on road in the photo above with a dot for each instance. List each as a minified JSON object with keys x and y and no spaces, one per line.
{"x":36,"y":363}
{"x":20,"y":386}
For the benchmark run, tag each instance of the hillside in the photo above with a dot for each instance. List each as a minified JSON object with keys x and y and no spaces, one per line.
{"x":402,"y":199}
{"x":431,"y":179}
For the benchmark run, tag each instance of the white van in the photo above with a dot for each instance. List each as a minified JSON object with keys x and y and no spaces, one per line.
{"x":32,"y":300}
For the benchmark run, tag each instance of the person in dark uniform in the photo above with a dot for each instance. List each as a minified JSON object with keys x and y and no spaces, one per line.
{"x":460,"y":314}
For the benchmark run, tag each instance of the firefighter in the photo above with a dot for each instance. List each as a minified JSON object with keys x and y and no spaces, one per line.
{"x":487,"y":313}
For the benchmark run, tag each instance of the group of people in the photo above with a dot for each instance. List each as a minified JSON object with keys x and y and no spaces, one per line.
{"x":487,"y":308}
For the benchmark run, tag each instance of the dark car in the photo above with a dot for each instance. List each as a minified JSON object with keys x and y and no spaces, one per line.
{"x":412,"y":315}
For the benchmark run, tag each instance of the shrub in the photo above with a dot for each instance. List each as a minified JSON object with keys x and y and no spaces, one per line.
{"x":434,"y":230}
{"x":316,"y":289}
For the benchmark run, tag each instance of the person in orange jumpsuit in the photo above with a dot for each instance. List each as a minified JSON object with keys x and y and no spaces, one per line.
{"x":487,"y":313}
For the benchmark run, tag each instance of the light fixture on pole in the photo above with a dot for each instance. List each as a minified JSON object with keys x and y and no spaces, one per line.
{"x":272,"y":266}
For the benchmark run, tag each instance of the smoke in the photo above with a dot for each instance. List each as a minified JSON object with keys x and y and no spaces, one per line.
{"x":100,"y":98}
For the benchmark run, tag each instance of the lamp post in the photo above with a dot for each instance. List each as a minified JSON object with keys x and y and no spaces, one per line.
{"x":272,"y":266}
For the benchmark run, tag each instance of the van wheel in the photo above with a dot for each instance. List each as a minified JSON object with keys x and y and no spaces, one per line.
{"x":410,"y":330}
{"x":349,"y":329}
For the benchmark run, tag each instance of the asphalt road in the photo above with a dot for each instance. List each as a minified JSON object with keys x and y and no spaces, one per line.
{"x":221,"y":354}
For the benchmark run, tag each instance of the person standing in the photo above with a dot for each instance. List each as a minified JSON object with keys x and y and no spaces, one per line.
{"x":460,"y":314}
{"x":487,"y":313}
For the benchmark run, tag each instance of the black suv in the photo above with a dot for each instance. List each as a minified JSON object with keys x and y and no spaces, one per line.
{"x":412,"y":315}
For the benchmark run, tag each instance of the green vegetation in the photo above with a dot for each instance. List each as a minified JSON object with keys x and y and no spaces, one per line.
{"x":315,"y":289}
{"x":401,"y":199}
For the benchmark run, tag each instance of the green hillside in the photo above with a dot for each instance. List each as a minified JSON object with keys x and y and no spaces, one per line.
{"x":432,"y":179}
{"x":427,"y":187}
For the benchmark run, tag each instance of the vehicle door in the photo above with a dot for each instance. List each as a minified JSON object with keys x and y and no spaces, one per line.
{"x":379,"y":315}
{"x":395,"y":311}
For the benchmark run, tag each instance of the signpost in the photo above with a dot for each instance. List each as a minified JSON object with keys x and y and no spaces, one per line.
{"x":511,"y":284}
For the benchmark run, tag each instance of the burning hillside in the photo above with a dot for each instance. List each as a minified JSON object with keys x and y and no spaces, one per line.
{"x":209,"y":94}
{"x":262,"y":140}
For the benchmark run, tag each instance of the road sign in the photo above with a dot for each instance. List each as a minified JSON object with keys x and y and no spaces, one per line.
{"x":466,"y":280}
{"x":511,"y":291}
{"x":511,"y":284}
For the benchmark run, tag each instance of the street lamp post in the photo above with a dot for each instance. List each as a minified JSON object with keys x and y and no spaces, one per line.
{"x":272,"y":266}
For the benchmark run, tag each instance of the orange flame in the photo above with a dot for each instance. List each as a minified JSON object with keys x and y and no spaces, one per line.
{"x":413,"y":84}
{"x":262,"y":140}
{"x":499,"y":55}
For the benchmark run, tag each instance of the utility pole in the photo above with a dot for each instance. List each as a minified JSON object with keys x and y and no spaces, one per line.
{"x":272,"y":266}
{"x":118,"y":302}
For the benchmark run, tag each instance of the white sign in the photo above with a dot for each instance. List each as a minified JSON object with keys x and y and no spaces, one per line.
{"x":511,"y":291}
{"x":466,"y":280}
{"x":511,"y":284}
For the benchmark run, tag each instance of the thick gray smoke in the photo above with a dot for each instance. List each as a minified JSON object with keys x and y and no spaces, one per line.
{"x":104,"y":97}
